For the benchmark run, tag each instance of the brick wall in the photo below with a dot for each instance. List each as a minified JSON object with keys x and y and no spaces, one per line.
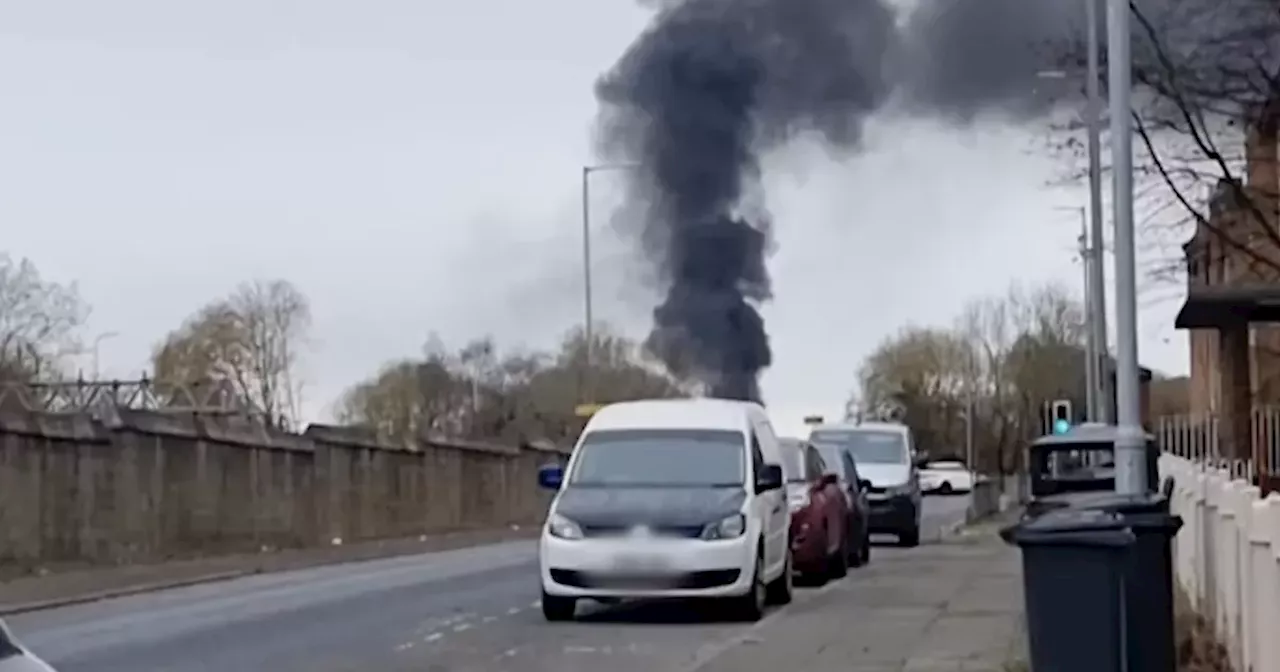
{"x":151,"y":486}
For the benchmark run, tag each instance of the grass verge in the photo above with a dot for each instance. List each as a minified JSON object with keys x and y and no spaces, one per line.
{"x":1198,"y":646}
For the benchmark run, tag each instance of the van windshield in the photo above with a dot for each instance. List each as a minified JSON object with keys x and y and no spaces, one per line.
{"x":867,"y":446}
{"x":661,"y":458}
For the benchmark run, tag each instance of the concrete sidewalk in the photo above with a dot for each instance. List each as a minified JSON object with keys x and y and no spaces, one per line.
{"x":946,"y":607}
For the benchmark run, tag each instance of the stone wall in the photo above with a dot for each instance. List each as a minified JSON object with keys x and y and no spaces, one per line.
{"x":150,"y":486}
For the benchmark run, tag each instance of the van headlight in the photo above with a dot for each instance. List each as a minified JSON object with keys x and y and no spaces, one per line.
{"x":729,"y":527}
{"x":563,"y":528}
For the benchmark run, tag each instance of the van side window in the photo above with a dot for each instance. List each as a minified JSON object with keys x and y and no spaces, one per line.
{"x":757,"y":456}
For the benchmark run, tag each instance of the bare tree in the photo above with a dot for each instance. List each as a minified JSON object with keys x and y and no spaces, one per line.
{"x":251,"y":340}
{"x":1006,"y":354}
{"x":39,"y":322}
{"x":1206,"y":109}
{"x":275,"y":318}
{"x":482,"y":393}
{"x":920,"y":372}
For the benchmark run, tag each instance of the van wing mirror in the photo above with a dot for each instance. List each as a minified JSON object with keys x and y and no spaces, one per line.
{"x":551,"y":476}
{"x":864,"y":485}
{"x":769,"y":478}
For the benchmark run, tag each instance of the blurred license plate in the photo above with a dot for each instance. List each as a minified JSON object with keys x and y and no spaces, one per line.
{"x":639,"y":562}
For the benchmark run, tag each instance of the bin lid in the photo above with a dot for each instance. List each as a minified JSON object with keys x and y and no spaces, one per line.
{"x":1071,"y":527}
{"x":1144,"y":511}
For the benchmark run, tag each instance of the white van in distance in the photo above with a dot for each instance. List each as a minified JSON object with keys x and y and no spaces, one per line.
{"x":678,"y":498}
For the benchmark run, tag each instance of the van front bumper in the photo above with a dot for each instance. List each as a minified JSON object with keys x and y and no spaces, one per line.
{"x":654,"y":568}
{"x":893,"y":514}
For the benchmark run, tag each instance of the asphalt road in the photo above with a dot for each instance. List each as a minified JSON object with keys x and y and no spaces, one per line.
{"x":468,"y":609}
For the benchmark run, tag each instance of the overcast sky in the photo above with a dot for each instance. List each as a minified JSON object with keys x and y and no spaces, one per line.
{"x":414,"y":167}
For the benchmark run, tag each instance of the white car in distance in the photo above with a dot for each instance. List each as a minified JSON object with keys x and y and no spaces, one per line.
{"x":946,"y":477}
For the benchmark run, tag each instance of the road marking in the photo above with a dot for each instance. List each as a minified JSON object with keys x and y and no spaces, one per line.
{"x":433,"y":637}
{"x":489,"y":619}
{"x":513,"y":611}
{"x":462,"y":627}
{"x":405,"y":646}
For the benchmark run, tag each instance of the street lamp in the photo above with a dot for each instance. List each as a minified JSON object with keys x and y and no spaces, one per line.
{"x":97,"y":341}
{"x":1130,"y":449}
{"x":587,"y":393}
{"x":1096,"y":303}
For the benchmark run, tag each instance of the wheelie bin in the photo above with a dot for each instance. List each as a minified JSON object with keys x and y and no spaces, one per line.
{"x":1074,"y":568}
{"x":1149,"y":631}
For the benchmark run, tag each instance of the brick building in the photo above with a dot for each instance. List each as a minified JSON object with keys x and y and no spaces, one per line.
{"x":1233,"y":296}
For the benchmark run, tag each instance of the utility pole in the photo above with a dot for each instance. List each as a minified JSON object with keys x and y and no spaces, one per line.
{"x":1091,"y":372}
{"x":1096,"y":287}
{"x":1130,"y":450}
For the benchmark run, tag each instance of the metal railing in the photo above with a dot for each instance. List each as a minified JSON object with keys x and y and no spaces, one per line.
{"x":1196,"y":438}
{"x":105,"y":397}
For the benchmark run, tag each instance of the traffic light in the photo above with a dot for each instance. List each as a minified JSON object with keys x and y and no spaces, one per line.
{"x":1060,"y":414}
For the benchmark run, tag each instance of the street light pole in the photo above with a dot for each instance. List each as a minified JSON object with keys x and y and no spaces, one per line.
{"x":1130,"y":450}
{"x":588,"y":387}
{"x":97,"y":341}
{"x":588,"y":323}
{"x":1096,"y":286}
{"x":968,"y":422}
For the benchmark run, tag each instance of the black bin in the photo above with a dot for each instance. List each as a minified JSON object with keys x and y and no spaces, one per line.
{"x":1074,"y":565}
{"x":1150,"y":641}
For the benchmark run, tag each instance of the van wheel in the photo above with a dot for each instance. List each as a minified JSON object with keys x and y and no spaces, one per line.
{"x":779,"y":591}
{"x":866,"y":549}
{"x":750,"y":607}
{"x":556,"y":608}
{"x":909,"y":538}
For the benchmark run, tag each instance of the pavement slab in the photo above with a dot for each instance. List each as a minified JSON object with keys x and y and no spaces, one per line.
{"x":954,"y":606}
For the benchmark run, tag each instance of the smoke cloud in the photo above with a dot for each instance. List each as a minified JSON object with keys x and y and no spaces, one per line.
{"x":712,"y":85}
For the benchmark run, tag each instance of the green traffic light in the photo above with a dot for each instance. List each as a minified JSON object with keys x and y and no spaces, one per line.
{"x":1060,"y":426}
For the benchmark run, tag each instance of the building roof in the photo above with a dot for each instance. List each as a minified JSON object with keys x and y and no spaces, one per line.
{"x":1211,"y":307}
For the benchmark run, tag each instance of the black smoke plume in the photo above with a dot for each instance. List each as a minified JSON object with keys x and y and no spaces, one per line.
{"x":693,"y":102}
{"x":713,"y":84}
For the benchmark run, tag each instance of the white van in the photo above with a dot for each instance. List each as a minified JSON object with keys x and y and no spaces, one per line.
{"x":884,"y":453}
{"x":678,"y":498}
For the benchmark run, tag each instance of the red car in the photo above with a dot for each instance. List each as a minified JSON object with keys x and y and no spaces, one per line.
{"x":819,"y":513}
